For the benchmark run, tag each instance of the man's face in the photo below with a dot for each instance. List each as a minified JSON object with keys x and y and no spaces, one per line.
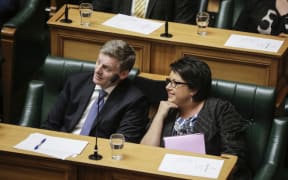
{"x":106,"y":68}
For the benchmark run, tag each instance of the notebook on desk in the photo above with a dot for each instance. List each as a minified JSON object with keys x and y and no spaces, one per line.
{"x":191,"y":143}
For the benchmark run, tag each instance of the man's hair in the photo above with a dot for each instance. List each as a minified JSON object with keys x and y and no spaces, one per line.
{"x":196,"y":73}
{"x":121,"y":51}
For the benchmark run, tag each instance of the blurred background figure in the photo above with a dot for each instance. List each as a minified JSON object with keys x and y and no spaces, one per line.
{"x":8,"y":8}
{"x":265,"y":17}
{"x":182,"y":11}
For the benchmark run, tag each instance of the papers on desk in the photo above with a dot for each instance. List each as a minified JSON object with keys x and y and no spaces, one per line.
{"x":193,"y":166}
{"x":132,"y":23}
{"x":61,"y":148}
{"x":192,"y":143}
{"x":255,"y":43}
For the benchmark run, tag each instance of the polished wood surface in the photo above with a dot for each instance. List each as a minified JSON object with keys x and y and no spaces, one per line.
{"x":155,"y":53}
{"x":140,"y":161}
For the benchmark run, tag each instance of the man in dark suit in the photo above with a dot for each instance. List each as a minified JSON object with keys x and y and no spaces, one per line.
{"x":182,"y":11}
{"x":125,"y":108}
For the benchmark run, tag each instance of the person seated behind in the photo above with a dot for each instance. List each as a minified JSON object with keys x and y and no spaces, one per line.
{"x":265,"y":17}
{"x":182,"y":11}
{"x":189,"y":109}
{"x":125,"y":108}
{"x":8,"y":8}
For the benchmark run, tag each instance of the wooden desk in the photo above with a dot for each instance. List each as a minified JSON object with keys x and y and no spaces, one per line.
{"x":140,"y":161}
{"x":154,"y":53}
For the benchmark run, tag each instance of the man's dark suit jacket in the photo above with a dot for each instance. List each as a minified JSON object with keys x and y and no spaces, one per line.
{"x":125,"y":110}
{"x":182,"y":11}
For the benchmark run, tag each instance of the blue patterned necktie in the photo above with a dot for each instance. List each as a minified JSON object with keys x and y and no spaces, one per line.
{"x":96,"y":107}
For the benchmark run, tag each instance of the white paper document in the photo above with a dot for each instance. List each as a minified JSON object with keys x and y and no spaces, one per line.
{"x":255,"y":43}
{"x":132,"y":23}
{"x":193,"y":166}
{"x":57,"y":147}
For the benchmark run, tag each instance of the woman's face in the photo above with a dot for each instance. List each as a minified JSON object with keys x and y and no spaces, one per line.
{"x":178,"y":92}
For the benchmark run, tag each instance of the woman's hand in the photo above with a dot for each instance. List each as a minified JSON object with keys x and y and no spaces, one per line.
{"x":164,"y":107}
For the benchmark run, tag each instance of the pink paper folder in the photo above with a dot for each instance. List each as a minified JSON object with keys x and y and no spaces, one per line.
{"x":192,"y":143}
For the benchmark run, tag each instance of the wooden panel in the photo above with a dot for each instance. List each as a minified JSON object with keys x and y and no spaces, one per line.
{"x":27,"y":168}
{"x":236,"y":67}
{"x":234,"y":72}
{"x":162,"y":55}
{"x":72,"y":44}
{"x":7,"y":48}
{"x":90,"y":173}
{"x":89,"y":51}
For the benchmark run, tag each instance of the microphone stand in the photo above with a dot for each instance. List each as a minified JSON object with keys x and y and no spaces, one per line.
{"x":166,"y":34}
{"x":96,"y":155}
{"x":66,"y":19}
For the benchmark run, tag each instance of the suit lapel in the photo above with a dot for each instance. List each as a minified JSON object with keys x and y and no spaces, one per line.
{"x":84,"y":98}
{"x":111,"y":101}
{"x":125,"y":6}
{"x":150,"y":7}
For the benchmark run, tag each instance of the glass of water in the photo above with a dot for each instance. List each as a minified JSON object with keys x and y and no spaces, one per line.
{"x":117,"y":141}
{"x":86,"y":10}
{"x":202,"y":20}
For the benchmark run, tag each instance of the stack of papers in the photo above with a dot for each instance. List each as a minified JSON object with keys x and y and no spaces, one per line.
{"x":132,"y":23}
{"x":255,"y":43}
{"x":193,"y":166}
{"x":61,"y":148}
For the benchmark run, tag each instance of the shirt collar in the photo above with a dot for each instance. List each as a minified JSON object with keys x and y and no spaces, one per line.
{"x":107,"y":90}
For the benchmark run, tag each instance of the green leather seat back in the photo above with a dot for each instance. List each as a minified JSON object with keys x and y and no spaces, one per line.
{"x":255,"y":103}
{"x":55,"y":72}
{"x":229,"y":11}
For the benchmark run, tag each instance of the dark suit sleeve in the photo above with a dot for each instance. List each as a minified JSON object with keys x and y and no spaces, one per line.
{"x":56,"y":116}
{"x":102,"y":5}
{"x":233,"y":127}
{"x":185,"y":11}
{"x":243,"y":22}
{"x":134,"y":120}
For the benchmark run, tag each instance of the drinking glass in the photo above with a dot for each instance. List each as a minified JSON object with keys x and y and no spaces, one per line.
{"x":86,"y":10}
{"x":202,"y":20}
{"x":117,"y":141}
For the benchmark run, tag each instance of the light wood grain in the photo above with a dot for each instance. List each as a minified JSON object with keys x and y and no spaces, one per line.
{"x":140,"y":161}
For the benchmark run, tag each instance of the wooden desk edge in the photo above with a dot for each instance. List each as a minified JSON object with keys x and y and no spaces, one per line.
{"x":230,"y":160}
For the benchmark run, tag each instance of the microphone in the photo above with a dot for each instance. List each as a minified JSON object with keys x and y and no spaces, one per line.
{"x":66,"y":19}
{"x":96,"y":155}
{"x":114,"y":78}
{"x":166,"y":33}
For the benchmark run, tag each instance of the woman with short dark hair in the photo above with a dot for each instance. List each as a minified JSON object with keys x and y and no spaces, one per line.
{"x":189,"y":109}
